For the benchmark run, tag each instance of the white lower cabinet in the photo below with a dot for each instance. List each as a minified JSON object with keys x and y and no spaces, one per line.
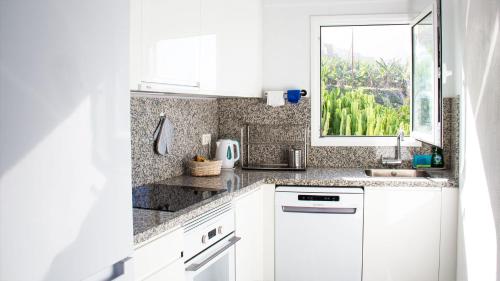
{"x":268,"y":236}
{"x":254,"y":215}
{"x":449,"y":226}
{"x":172,"y":272}
{"x":402,"y":234}
{"x":249,"y":226}
{"x":160,"y":259}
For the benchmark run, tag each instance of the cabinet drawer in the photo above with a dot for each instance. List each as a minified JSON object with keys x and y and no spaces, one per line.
{"x":173,"y":272}
{"x":154,"y":255}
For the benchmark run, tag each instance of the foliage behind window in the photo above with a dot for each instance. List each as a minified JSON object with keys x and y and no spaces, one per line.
{"x":363,"y":94}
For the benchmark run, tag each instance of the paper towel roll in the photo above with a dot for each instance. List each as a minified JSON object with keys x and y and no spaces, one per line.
{"x":275,"y":98}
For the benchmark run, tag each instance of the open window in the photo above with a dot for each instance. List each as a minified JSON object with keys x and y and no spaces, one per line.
{"x":426,"y":78}
{"x":372,"y":76}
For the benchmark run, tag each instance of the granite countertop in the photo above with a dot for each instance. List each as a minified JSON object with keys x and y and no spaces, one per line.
{"x":149,"y":223}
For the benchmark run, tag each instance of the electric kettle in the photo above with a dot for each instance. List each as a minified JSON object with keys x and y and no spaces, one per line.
{"x":228,"y":151}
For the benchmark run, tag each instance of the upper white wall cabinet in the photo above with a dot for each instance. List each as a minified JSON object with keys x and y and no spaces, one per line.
{"x":209,"y":47}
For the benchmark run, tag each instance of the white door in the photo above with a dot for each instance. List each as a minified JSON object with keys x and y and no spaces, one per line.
{"x":172,"y":272}
{"x":158,"y":257}
{"x":215,"y":263}
{"x":401,"y":234}
{"x":249,"y":226}
{"x":318,"y":236}
{"x":65,"y":180}
{"x":170,"y":45}
{"x":268,"y":230}
{"x":231,"y":61}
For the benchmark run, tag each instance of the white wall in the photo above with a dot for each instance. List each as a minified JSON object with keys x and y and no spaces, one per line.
{"x":287,"y":39}
{"x":479,"y":214}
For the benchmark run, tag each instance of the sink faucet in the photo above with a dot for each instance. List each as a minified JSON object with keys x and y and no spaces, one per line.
{"x":397,"y":160}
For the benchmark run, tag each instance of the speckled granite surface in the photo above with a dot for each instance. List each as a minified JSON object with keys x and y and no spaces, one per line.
{"x":148,"y":224}
{"x":236,"y":112}
{"x":191,"y":117}
{"x":340,"y":166}
{"x":454,"y":132}
{"x":225,"y":116}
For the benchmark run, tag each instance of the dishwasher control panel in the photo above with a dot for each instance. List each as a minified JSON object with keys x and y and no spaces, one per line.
{"x":310,"y":197}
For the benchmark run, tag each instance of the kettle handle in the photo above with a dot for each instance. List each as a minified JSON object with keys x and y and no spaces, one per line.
{"x":236,"y":149}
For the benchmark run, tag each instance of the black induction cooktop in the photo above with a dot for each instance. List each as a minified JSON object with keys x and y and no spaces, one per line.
{"x":162,"y":197}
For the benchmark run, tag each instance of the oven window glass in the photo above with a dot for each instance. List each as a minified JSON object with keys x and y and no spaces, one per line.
{"x":217,"y":271}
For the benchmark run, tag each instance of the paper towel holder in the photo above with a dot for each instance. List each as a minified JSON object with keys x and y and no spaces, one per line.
{"x":303,"y":93}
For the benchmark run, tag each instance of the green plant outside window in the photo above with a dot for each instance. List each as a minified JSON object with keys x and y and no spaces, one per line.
{"x":365,"y":85}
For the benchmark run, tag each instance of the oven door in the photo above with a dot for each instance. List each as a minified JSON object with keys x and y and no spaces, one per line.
{"x":215,"y":263}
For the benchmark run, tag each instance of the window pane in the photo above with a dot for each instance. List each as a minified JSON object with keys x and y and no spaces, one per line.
{"x":365,"y":80}
{"x":423,"y":76}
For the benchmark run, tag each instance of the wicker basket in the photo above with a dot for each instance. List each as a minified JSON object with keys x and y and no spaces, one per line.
{"x":205,"y":169}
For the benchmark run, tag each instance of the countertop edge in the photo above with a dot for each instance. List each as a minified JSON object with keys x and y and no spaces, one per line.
{"x":188,"y":214}
{"x":198,"y":209}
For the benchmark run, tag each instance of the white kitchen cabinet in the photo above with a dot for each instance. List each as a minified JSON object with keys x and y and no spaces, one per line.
{"x":160,"y":259}
{"x":449,"y":226}
{"x":254,"y":223}
{"x":172,"y":272}
{"x":232,"y":47}
{"x":268,"y":191}
{"x":249,"y":226}
{"x":209,"y":47}
{"x":401,"y":233}
{"x":165,"y":45}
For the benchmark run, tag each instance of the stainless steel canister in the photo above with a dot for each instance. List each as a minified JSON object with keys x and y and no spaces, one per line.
{"x":295,"y":158}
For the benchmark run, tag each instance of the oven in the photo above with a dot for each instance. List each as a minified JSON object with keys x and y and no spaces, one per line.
{"x":210,"y":246}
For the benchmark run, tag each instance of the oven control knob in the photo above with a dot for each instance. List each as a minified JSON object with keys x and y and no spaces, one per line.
{"x":204,"y":239}
{"x":219,"y":229}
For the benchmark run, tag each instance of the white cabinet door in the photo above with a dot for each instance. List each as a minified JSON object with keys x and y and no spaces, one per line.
{"x":449,"y":226}
{"x":249,"y":226}
{"x":167,"y":44}
{"x":268,"y":231}
{"x":160,"y":257}
{"x":209,"y":47}
{"x":172,"y":272}
{"x":231,"y":63}
{"x":401,"y":234}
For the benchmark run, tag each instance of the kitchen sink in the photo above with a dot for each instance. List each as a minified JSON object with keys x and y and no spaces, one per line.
{"x":401,"y":173}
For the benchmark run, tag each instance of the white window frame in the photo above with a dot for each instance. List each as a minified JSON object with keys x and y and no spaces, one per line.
{"x":347,"y":20}
{"x":436,"y":136}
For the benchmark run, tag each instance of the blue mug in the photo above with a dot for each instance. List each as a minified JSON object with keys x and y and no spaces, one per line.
{"x":293,"y":96}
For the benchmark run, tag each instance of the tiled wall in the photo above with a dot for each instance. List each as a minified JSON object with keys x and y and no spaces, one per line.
{"x":224,"y":117}
{"x":235,"y":112}
{"x":191,"y":118}
{"x":452,"y":131}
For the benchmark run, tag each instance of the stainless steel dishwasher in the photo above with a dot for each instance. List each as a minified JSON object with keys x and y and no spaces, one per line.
{"x":319,"y":233}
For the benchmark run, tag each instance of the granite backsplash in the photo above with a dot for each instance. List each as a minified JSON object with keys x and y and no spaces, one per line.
{"x":224,"y":118}
{"x":234,"y":113}
{"x":191,"y":117}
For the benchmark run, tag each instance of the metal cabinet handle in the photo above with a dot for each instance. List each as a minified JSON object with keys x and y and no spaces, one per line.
{"x":320,"y":210}
{"x":196,"y":266}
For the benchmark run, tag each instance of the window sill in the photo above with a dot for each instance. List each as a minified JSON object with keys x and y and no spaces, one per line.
{"x":363,"y":141}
